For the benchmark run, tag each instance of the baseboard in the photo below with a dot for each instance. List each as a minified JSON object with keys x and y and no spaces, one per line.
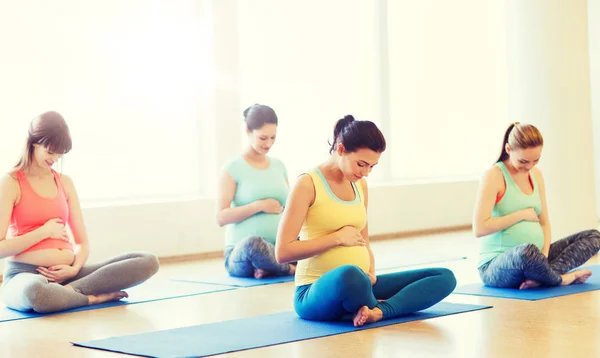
{"x":190,"y":257}
{"x":417,"y":233}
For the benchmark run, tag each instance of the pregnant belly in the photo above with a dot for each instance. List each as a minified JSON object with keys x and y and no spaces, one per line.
{"x":46,"y":257}
{"x":524,"y":232}
{"x":339,"y":256}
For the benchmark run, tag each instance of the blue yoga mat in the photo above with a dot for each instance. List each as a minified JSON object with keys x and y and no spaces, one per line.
{"x":223,"y":278}
{"x":153,"y":290}
{"x":231,"y":336}
{"x":533,"y":294}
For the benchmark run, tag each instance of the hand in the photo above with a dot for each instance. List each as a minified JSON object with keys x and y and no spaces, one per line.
{"x":58,"y":273}
{"x":350,"y":236}
{"x":372,"y":277}
{"x":529,"y":214}
{"x":270,"y":206}
{"x":54,"y":229}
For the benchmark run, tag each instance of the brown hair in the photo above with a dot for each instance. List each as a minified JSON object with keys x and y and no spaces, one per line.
{"x":520,"y":136}
{"x":49,"y":130}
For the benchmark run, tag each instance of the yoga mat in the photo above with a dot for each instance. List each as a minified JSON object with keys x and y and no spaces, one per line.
{"x":222,"y":278}
{"x":236,"y":335}
{"x":533,"y":294}
{"x":153,"y":290}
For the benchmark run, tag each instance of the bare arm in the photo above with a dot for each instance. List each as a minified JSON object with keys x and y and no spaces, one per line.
{"x":483,"y":222}
{"x":9,"y":189}
{"x":226,"y":214}
{"x":76,"y":224}
{"x":287,"y":247}
{"x":544,"y":218}
{"x":365,"y":231}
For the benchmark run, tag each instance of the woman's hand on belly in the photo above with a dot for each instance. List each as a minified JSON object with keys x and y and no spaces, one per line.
{"x":350,"y":236}
{"x":529,"y":214}
{"x":270,"y":206}
{"x":58,"y":273}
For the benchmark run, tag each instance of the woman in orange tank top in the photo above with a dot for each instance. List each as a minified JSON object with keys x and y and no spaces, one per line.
{"x":46,"y":268}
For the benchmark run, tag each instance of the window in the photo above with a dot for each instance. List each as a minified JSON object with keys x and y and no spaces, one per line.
{"x":313,"y":63}
{"x":447,"y":87}
{"x":129,"y":78}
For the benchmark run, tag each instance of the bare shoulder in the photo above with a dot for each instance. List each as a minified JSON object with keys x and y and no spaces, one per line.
{"x":9,"y":180}
{"x":305,"y":183}
{"x":493,"y":176}
{"x":66,"y":180}
{"x":68,"y":184}
{"x":304,"y":189}
{"x":9,"y":185}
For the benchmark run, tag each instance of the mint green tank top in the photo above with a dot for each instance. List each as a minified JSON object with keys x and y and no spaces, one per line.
{"x":252,"y":185}
{"x":523,"y":232}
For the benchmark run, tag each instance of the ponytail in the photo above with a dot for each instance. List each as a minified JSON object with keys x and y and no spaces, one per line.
{"x":337,"y":130}
{"x":503,"y":153}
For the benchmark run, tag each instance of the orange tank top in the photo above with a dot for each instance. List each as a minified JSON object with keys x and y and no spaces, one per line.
{"x":33,"y":211}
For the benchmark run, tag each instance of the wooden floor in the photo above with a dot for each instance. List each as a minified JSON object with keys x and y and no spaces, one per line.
{"x":560,"y":327}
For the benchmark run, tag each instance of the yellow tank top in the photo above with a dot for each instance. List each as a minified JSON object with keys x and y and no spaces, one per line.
{"x":327,"y":215}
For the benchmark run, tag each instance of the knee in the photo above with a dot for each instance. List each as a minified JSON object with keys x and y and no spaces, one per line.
{"x":448,"y":281}
{"x":353,"y":278}
{"x":529,"y":250}
{"x":253,"y":242}
{"x":150,"y":263}
{"x":254,"y":245}
{"x":36,"y":296}
{"x":145,"y":262}
{"x":593,"y":233}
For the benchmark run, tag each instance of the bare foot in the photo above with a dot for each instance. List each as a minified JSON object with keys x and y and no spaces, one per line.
{"x":582,"y":276}
{"x":529,"y":284}
{"x":259,"y":273}
{"x":106,"y":297}
{"x":578,"y":276}
{"x":292,"y":269}
{"x":361,"y":316}
{"x":366,"y":315}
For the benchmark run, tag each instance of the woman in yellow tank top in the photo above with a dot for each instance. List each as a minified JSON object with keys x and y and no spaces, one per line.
{"x":335,"y":276}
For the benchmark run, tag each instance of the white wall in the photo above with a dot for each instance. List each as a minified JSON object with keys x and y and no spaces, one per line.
{"x":594,"y":49}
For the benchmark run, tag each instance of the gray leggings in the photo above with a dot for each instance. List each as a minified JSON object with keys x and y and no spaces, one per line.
{"x":526,"y":261}
{"x":23,"y":289}
{"x":252,"y":253}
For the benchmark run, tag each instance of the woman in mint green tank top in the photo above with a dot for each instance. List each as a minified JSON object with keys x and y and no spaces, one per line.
{"x":511,"y":218}
{"x":252,"y":193}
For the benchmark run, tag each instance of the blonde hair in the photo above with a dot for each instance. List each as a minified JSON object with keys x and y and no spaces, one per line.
{"x":520,"y":136}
